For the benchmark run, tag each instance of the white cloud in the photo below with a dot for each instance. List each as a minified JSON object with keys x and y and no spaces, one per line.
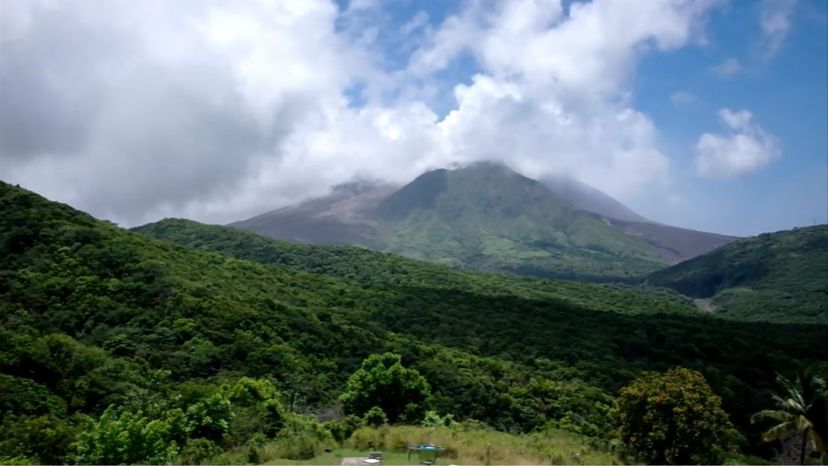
{"x":217,"y":111}
{"x":593,"y":48}
{"x":775,"y":20}
{"x":728,"y":68}
{"x":129,"y":109}
{"x":553,"y":92}
{"x":745,"y":149}
{"x":683,"y":98}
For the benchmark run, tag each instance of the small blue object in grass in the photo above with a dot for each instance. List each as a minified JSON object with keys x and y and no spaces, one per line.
{"x":428,"y":452}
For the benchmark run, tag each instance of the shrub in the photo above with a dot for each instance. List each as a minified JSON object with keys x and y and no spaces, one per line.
{"x":366,"y":438}
{"x":375,"y":417}
{"x":210,"y":417}
{"x":197,"y":450}
{"x":342,"y":429}
{"x":126,"y":437}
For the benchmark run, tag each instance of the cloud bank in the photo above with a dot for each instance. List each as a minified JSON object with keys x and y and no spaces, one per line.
{"x":220,"y":110}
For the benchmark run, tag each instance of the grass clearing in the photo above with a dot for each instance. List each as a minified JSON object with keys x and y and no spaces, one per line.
{"x":463,"y":447}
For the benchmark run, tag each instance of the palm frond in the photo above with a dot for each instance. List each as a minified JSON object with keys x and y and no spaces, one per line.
{"x":775,"y":414}
{"x":819,"y":444}
{"x":778,"y":431}
{"x":803,"y":423}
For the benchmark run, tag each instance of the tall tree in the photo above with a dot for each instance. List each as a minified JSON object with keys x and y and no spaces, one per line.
{"x":798,"y":412}
{"x":383,"y":382}
{"x":674,"y":418}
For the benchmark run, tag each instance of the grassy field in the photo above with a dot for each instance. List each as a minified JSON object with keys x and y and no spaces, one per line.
{"x":462,"y":447}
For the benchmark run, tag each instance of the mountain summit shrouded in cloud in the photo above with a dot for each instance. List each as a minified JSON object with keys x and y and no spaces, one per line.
{"x":485,"y":216}
{"x":216,"y":111}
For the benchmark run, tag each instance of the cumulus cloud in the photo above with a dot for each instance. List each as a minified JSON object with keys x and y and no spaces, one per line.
{"x":745,"y":149}
{"x":552,"y":94}
{"x":219,"y":110}
{"x":132,"y":108}
{"x":728,"y":68}
{"x":775,"y":21}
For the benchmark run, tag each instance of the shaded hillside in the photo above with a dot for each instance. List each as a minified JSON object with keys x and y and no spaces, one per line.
{"x":487,"y":217}
{"x":673,"y":244}
{"x":95,"y":316}
{"x":371,"y":269}
{"x":778,"y":277}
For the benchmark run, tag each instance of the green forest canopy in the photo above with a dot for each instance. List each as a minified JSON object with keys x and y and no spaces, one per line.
{"x":94,"y":316}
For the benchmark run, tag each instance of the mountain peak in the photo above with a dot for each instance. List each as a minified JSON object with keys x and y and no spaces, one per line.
{"x":485,"y":215}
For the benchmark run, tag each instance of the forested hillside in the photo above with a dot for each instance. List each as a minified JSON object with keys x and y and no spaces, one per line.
{"x":203,"y":353}
{"x":370,"y":268}
{"x":776,"y":277}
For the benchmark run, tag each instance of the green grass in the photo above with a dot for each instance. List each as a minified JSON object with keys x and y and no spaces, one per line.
{"x":335,"y":458}
{"x":463,"y":447}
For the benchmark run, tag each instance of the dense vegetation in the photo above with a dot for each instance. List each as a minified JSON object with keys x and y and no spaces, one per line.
{"x":371,"y":269}
{"x":114,"y":342}
{"x":776,"y":277}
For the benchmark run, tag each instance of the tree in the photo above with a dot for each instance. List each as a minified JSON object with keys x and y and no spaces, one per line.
{"x":125,"y":438}
{"x":256,"y":407}
{"x":382,"y":381}
{"x":210,"y":417}
{"x":674,"y":418}
{"x":797,"y":413}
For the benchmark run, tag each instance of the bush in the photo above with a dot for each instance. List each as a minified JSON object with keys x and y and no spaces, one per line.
{"x":366,"y":438}
{"x":197,"y":450}
{"x":302,"y":438}
{"x":298,"y":447}
{"x":256,"y":409}
{"x":17,"y":460}
{"x":375,"y":417}
{"x":44,"y":438}
{"x":432,"y":419}
{"x":210,"y":417}
{"x":342,"y":429}
{"x":126,"y":437}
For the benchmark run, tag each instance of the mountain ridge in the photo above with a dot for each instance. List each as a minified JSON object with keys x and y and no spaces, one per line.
{"x":485,"y":216}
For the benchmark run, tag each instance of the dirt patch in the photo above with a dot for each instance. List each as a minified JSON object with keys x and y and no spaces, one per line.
{"x":705,"y":305}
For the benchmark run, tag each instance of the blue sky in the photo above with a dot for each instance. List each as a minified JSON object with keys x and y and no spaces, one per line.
{"x":788,"y":95}
{"x":710,"y":114}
